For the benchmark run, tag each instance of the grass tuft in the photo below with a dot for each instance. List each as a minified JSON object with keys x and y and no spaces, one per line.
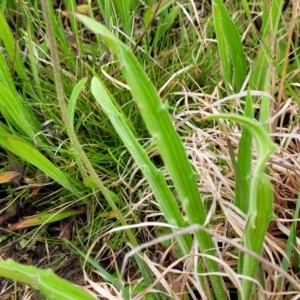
{"x":150,"y":149}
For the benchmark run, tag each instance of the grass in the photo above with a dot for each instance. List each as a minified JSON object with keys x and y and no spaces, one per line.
{"x":154,"y":157}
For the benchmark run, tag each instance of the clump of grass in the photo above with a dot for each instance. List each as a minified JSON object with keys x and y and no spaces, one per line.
{"x":158,"y":145}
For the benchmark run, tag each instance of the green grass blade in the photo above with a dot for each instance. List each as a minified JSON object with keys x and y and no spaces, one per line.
{"x":167,"y":202}
{"x":32,"y":156}
{"x":164,"y":197}
{"x":276,"y":11}
{"x":244,"y":163}
{"x":152,"y":9}
{"x":73,"y":99}
{"x":260,"y":216}
{"x":159,"y":124}
{"x":223,"y":51}
{"x":52,"y":286}
{"x":112,"y":10}
{"x":260,"y":77}
{"x":5,"y":76}
{"x":243,"y":174}
{"x":233,"y":41}
{"x":10,"y":45}
{"x":290,"y":245}
{"x":166,"y":24}
{"x":16,"y":114}
{"x":124,"y":12}
{"x":114,"y":280}
{"x":34,"y":64}
{"x":106,"y":11}
{"x":71,"y":112}
{"x":44,"y":218}
{"x":261,"y":198}
{"x":260,"y":80}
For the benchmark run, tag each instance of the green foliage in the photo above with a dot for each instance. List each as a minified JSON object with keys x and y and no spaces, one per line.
{"x":261,"y":70}
{"x":244,"y":163}
{"x":163,"y":195}
{"x":260,"y":211}
{"x":89,"y":154}
{"x":291,"y":244}
{"x":119,"y":12}
{"x":166,"y":139}
{"x":30,"y":154}
{"x":53,"y":287}
{"x":233,"y":58}
{"x":167,"y":12}
{"x":10,"y":45}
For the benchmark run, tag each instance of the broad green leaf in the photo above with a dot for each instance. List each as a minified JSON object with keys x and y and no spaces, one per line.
{"x":164,"y":197}
{"x":52,"y":286}
{"x":167,"y":140}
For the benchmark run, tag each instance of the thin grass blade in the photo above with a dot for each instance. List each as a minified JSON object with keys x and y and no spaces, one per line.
{"x":73,"y":99}
{"x":112,"y":278}
{"x":5,"y":76}
{"x":166,"y":24}
{"x":10,"y":45}
{"x":16,"y":114}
